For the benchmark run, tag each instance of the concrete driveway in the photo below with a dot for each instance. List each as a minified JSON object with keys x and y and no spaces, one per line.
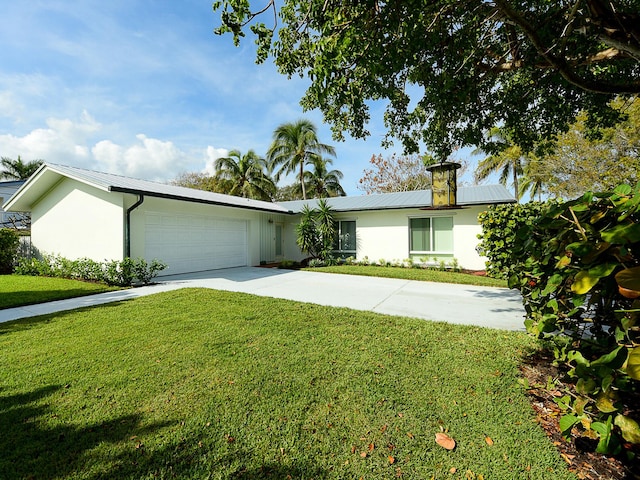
{"x":463,"y":304}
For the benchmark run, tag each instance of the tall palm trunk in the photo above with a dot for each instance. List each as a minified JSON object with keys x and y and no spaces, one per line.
{"x":515,"y":182}
{"x":304,"y":190}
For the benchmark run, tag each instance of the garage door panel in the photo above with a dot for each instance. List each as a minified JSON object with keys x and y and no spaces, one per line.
{"x":194,"y":243}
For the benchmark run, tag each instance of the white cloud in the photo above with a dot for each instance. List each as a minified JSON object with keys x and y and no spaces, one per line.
{"x":212,"y":155}
{"x":70,"y":142}
{"x":149,"y":158}
{"x":64,"y":141}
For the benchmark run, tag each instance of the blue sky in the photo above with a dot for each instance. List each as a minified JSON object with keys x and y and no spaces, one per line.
{"x":144,"y":88}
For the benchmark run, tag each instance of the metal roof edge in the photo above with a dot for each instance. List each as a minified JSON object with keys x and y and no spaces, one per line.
{"x":18,"y":193}
{"x":169,"y":196}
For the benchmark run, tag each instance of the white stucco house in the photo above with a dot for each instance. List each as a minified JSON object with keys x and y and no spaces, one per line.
{"x":80,"y":213}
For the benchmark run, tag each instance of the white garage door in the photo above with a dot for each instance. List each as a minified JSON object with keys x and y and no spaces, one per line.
{"x":193,"y":243}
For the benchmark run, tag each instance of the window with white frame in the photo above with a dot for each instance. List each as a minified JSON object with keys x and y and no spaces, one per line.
{"x":431,"y":235}
{"x":345,"y":241}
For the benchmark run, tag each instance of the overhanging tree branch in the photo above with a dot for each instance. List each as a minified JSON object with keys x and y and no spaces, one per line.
{"x":560,"y":64}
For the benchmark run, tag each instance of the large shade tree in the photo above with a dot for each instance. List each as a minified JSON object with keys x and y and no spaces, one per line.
{"x":296,"y":145}
{"x":18,"y":169}
{"x":577,"y":162}
{"x":450,"y":69}
{"x":246,"y":175}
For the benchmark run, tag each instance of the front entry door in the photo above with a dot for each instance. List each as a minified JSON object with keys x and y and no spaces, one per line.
{"x":279,"y":238}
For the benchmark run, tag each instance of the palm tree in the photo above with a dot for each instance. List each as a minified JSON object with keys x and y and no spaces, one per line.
{"x":509,"y":161}
{"x":534,"y":179}
{"x":17,"y":169}
{"x":294,"y":146}
{"x":246,"y":175}
{"x":322,"y":182}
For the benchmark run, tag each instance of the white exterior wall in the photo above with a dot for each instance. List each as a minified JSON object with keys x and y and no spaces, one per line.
{"x":177,"y":207}
{"x":75,"y":220}
{"x":465,"y":238}
{"x":384,"y":234}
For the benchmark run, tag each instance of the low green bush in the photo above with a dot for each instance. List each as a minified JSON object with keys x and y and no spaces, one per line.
{"x":9,"y":242}
{"x":500,"y":224}
{"x":126,"y":272}
{"x":578,"y":269}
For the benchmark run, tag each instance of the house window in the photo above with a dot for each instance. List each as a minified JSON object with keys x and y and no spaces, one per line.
{"x":345,"y":241}
{"x":431,"y":235}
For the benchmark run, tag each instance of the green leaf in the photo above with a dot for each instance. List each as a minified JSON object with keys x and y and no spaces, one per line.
{"x":583,"y":282}
{"x":622,"y":234}
{"x":623,"y":189}
{"x":603,"y":269}
{"x":614,"y":359}
{"x":604,"y":402}
{"x":552,"y":285}
{"x":566,"y":422}
{"x":633,"y":363}
{"x":585,"y":386}
{"x":580,"y":248}
{"x":604,"y":431}
{"x":563,"y":262}
{"x":629,"y":428}
{"x":629,"y":282}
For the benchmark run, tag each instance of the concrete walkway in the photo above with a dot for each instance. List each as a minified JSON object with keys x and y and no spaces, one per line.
{"x":462,"y":304}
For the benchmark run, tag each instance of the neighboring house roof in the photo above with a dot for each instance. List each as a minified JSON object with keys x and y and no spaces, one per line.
{"x":49,"y":174}
{"x":11,"y":183}
{"x":476,"y":195}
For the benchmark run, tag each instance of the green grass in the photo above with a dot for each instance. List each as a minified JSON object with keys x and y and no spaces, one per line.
{"x":19,"y":290}
{"x":422,"y":274}
{"x":199,"y":384}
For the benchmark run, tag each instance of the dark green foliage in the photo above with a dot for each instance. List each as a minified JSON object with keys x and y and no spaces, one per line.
{"x":447,"y":70}
{"x":9,"y":242}
{"x":569,"y":264}
{"x":500,"y":223}
{"x":114,"y":272}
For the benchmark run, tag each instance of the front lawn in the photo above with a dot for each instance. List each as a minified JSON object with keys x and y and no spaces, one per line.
{"x":422,"y":274}
{"x":19,"y":290}
{"x":199,"y":383}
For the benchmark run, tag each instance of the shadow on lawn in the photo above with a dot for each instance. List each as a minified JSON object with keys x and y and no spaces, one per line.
{"x":31,"y":449}
{"x":20,"y":324}
{"x":26,"y":298}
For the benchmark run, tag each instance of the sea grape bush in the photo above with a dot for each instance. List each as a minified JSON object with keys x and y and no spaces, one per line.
{"x":500,"y":223}
{"x":578,"y":269}
{"x":124,"y":272}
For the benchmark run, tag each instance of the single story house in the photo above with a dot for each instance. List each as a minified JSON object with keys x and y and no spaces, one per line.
{"x":7,"y":189}
{"x":80,"y":213}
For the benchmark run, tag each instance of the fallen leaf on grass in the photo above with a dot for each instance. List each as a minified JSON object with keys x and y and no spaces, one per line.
{"x":445,"y":441}
{"x":391,"y":460}
{"x":568,"y":458}
{"x":488,"y":440}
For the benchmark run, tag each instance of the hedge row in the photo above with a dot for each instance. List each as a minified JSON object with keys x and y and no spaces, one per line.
{"x":126,"y":272}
